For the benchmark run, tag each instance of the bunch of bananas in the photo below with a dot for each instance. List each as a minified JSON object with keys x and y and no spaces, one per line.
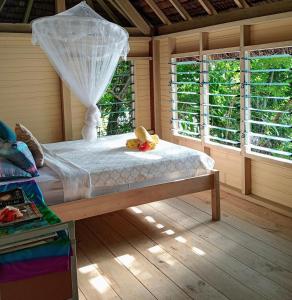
{"x":143,"y":141}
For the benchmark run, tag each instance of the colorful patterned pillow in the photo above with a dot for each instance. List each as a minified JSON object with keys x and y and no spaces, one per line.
{"x":6,"y":133}
{"x":9,"y":171}
{"x":24,"y":135}
{"x":19,"y":154}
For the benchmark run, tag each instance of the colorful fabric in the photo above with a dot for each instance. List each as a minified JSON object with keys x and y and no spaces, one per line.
{"x":38,"y":260}
{"x":28,"y":269}
{"x":24,"y":135}
{"x":19,"y":154}
{"x":6,"y":133}
{"x":9,"y":171}
{"x":59,"y":247}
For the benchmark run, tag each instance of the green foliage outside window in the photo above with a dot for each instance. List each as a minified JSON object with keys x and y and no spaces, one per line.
{"x":271,"y":103}
{"x":186,"y":97}
{"x":224,"y":99}
{"x":117,"y":104}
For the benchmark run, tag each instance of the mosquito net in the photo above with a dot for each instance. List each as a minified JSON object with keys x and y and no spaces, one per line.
{"x":85,"y":49}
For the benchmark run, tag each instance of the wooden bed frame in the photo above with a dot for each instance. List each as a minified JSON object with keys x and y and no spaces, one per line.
{"x":85,"y":208}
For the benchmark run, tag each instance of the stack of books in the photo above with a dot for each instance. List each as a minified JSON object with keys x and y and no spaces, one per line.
{"x":27,"y":211}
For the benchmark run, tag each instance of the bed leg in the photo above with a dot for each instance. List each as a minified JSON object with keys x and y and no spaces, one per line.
{"x":215,"y":194}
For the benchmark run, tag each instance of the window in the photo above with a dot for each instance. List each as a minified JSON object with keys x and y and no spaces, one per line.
{"x":228,"y":99}
{"x":117,"y":105}
{"x":185,"y":91}
{"x":222,"y":98}
{"x":268,"y":102}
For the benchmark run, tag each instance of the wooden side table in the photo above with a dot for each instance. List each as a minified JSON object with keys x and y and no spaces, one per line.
{"x":57,"y":286}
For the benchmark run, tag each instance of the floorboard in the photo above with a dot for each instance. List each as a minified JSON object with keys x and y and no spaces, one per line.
{"x":171,"y":250}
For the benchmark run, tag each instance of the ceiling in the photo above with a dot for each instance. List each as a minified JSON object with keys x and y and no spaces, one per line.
{"x":149,"y":17}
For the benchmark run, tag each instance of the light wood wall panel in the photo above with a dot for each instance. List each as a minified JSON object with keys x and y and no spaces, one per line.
{"x":187,"y":44}
{"x":229,"y":165}
{"x":224,"y":38}
{"x":29,"y":88}
{"x":272,"y":182}
{"x":139,"y":46}
{"x":274,"y":31}
{"x":142,"y":93}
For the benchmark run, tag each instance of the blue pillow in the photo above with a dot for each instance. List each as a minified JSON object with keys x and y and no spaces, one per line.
{"x":19,"y":154}
{"x":9,"y":171}
{"x":6,"y":133}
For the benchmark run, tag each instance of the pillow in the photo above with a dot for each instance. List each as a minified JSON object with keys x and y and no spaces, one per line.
{"x":24,"y":135}
{"x":6,"y":133}
{"x":9,"y":171}
{"x":19,"y":154}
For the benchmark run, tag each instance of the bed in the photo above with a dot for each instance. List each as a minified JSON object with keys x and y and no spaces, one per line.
{"x":83,"y":179}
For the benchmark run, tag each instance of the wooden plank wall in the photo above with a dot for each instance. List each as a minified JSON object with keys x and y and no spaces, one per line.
{"x":269,"y":180}
{"x":29,"y":88}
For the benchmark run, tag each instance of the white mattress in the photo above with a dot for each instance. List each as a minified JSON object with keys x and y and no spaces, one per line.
{"x":108,"y":166}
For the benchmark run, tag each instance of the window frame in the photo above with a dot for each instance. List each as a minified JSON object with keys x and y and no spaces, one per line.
{"x":244,"y":125}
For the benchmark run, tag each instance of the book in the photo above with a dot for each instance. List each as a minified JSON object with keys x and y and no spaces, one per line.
{"x":40,"y":240}
{"x":12,"y":197}
{"x":29,"y":211}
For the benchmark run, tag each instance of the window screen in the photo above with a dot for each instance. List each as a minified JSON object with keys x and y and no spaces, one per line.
{"x":117,"y":106}
{"x":269,"y":102}
{"x":222,"y":98}
{"x":185,"y":96}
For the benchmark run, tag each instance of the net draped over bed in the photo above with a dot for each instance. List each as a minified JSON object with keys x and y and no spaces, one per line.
{"x":85,"y":49}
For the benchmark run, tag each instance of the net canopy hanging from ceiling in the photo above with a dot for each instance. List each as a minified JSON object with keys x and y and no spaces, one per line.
{"x":85,"y":49}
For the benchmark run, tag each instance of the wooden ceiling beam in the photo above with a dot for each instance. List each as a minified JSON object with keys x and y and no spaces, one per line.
{"x":241,"y":3}
{"x":233,"y":16}
{"x":159,"y":13}
{"x":181,"y":10}
{"x":135,"y":17}
{"x":2,"y":3}
{"x":108,"y":11}
{"x":208,"y":7}
{"x":121,"y":12}
{"x":27,"y":11}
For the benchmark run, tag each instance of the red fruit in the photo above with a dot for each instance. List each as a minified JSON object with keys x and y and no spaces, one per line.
{"x":144,"y":147}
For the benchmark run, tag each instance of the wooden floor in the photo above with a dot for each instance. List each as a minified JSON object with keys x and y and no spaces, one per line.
{"x":171,"y":250}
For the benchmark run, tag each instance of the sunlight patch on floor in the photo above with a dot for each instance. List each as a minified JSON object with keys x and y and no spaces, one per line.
{"x":159,"y":226}
{"x":169,"y":232}
{"x":100,"y":284}
{"x":155,"y":249}
{"x":88,"y":268}
{"x":150,"y":219}
{"x":126,"y":260}
{"x":180,"y":239}
{"x":198,"y":251}
{"x":136,"y":210}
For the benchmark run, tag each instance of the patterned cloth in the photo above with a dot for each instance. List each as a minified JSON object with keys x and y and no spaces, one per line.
{"x":24,"y":135}
{"x":6,"y":133}
{"x":19,"y":154}
{"x":9,"y":171}
{"x":85,"y":167}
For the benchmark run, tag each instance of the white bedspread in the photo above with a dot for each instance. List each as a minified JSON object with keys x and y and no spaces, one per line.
{"x":90,"y":168}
